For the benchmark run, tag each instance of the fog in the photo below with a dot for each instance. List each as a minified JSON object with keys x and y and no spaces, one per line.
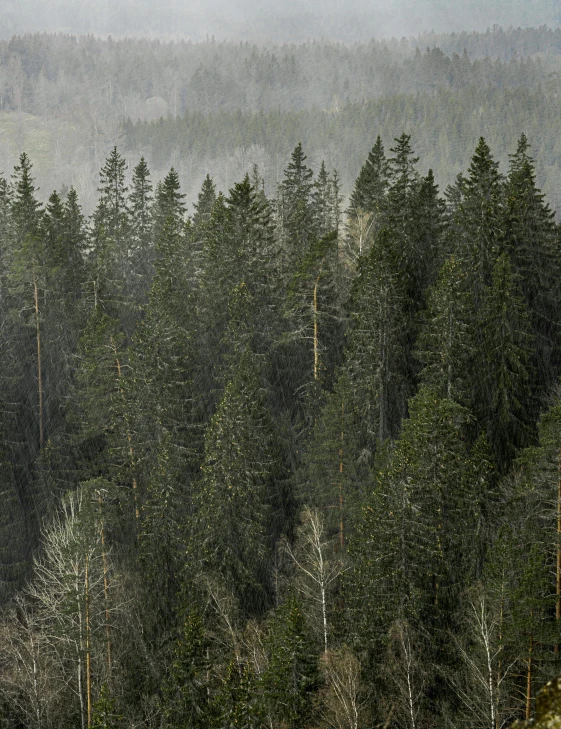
{"x":266,"y":20}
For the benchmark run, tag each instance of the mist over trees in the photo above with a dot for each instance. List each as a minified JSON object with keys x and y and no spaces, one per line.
{"x":273,"y":20}
{"x":225,"y":106}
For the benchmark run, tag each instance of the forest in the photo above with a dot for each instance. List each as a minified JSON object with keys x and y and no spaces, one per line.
{"x":283,"y":462}
{"x":221,"y":107}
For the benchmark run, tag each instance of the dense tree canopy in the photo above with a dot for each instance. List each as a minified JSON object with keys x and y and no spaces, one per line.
{"x":263,"y":466}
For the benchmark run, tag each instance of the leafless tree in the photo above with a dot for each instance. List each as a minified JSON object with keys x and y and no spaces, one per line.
{"x":317,"y":567}
{"x":343,"y":701}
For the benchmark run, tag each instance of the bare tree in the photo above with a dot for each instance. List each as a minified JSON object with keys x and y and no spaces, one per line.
{"x":360,"y":231}
{"x":343,"y":700}
{"x":408,"y":674}
{"x":70,"y":592}
{"x":318,"y":568}
{"x":28,"y":678}
{"x":481,"y":685}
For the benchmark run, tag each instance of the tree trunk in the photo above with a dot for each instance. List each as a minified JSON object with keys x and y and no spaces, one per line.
{"x":129,"y":435}
{"x":316,"y":342}
{"x":88,"y":645}
{"x":39,"y":368}
{"x":341,"y":525}
{"x":529,"y":681}
{"x":105,"y":590}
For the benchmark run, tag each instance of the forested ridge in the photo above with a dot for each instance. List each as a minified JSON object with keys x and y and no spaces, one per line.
{"x":224,"y":106}
{"x":282,"y":462}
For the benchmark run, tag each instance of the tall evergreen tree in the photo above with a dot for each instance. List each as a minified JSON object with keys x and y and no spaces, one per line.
{"x":233,"y":496}
{"x":141,"y":249}
{"x":530,"y":240}
{"x":504,"y":356}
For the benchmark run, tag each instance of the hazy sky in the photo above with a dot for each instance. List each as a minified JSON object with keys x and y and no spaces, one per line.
{"x":281,"y":20}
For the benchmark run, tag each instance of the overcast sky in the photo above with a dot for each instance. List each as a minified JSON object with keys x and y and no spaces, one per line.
{"x":281,"y":20}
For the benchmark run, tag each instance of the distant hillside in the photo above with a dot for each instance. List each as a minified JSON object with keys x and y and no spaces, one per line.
{"x":67,"y":100}
{"x":273,"y":20}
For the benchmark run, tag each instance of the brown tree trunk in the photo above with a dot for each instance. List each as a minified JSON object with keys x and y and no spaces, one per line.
{"x":341,"y":524}
{"x":529,"y":680}
{"x":129,"y":435}
{"x":105,"y":589}
{"x":39,"y":368}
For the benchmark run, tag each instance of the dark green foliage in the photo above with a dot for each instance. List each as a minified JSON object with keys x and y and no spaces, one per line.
{"x":186,"y":698}
{"x":411,"y":560}
{"x":504,"y":403}
{"x":104,"y":714}
{"x":233,"y":496}
{"x":231,"y":376}
{"x":372,"y":183}
{"x":378,"y":339}
{"x":236,"y":705}
{"x":292,"y":675}
{"x":444,"y":348}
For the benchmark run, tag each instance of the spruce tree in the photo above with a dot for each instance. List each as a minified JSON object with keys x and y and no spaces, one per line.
{"x":292,"y":674}
{"x":295,"y":210}
{"x":141,"y":249}
{"x":444,"y":346}
{"x":504,"y":356}
{"x":377,"y":340}
{"x":530,"y":240}
{"x":413,"y":550}
{"x":371,"y":184}
{"x":232,"y":498}
{"x":186,"y":690}
{"x":110,"y":256}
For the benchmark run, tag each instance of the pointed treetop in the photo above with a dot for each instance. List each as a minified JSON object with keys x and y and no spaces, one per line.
{"x":483,"y":167}
{"x":205,"y":201}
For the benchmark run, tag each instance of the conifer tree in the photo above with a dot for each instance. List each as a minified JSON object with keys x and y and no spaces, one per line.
{"x":410,"y":550}
{"x":530,"y":240}
{"x":233,"y":496}
{"x":110,"y":257}
{"x":504,"y":356}
{"x":236,"y":705}
{"x":476,"y":226}
{"x":292,"y":674}
{"x":205,"y":201}
{"x":295,"y":209}
{"x":444,"y":347}
{"x":377,"y":340}
{"x":186,"y":690}
{"x":371,"y":184}
{"x":141,"y":249}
